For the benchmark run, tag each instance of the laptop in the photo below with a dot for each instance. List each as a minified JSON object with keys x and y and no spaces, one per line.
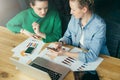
{"x":42,"y":69}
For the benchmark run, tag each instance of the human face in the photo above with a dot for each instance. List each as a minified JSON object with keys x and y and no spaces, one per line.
{"x":76,"y":11}
{"x":40,"y":8}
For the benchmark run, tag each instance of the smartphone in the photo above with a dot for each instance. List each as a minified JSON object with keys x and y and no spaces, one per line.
{"x":86,"y":75}
{"x":29,"y":50}
{"x":52,"y":49}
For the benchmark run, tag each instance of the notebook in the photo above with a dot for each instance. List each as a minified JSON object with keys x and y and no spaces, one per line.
{"x":42,"y":69}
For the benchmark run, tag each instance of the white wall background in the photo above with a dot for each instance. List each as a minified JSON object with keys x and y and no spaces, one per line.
{"x":9,"y":8}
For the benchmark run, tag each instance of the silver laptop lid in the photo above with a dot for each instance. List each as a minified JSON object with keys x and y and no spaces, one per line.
{"x":50,"y":67}
{"x":31,"y":71}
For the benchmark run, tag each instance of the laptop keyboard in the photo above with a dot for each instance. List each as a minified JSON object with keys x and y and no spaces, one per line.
{"x":53,"y":75}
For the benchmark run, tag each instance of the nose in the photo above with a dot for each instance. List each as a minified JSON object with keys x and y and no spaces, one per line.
{"x":43,"y":11}
{"x":71,"y":12}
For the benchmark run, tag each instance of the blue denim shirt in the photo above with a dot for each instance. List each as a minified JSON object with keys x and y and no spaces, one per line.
{"x":94,"y":37}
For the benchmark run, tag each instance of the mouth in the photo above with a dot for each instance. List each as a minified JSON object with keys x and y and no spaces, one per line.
{"x":43,"y":15}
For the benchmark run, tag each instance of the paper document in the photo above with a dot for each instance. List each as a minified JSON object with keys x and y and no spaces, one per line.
{"x":48,"y":55}
{"x":72,"y":63}
{"x":19,"y":51}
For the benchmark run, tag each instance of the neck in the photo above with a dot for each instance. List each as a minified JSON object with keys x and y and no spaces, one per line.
{"x":86,"y":18}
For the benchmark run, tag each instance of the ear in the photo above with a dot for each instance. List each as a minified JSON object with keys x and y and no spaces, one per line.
{"x":31,"y":5}
{"x":84,"y":9}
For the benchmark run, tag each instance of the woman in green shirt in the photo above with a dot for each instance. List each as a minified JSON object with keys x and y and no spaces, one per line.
{"x":37,"y":21}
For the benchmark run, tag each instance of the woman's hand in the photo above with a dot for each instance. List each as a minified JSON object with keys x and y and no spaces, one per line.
{"x":58,"y":45}
{"x":61,"y":52}
{"x":36,"y":36}
{"x":58,"y":49}
{"x":36,"y":27}
{"x":29,"y":34}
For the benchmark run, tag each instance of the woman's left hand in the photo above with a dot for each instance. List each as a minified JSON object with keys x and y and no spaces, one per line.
{"x":60,"y":52}
{"x":36,"y":36}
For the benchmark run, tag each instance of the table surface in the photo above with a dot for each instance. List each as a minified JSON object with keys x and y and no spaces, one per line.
{"x":109,"y":69}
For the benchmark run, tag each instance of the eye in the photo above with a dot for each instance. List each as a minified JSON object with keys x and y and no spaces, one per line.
{"x":39,"y":8}
{"x":46,"y":8}
{"x":72,"y":9}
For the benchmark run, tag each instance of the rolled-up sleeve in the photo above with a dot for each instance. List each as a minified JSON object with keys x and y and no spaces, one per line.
{"x":81,"y":57}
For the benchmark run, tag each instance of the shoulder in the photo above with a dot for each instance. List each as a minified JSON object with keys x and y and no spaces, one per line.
{"x":25,"y":12}
{"x":98,"y":20}
{"x":96,"y":24}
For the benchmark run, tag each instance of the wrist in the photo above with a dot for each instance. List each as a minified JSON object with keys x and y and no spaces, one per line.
{"x":65,"y":53}
{"x":38,"y":33}
{"x":61,"y":42}
{"x":41,"y":34}
{"x":22,"y":31}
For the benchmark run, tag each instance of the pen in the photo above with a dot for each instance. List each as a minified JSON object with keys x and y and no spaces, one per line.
{"x":52,"y":49}
{"x":36,"y":45}
{"x":28,"y":44}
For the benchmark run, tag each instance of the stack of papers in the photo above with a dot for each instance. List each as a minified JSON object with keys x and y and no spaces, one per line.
{"x":72,"y":63}
{"x":19,"y":51}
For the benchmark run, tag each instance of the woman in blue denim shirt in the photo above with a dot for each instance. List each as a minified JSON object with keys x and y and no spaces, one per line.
{"x":85,"y":30}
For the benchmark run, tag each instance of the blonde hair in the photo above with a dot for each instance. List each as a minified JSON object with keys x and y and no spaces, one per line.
{"x":86,"y":3}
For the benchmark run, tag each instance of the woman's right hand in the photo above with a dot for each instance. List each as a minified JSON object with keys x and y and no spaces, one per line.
{"x":36,"y":27}
{"x":58,"y":45}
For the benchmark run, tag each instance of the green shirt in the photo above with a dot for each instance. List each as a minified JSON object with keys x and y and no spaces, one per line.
{"x":50,"y":24}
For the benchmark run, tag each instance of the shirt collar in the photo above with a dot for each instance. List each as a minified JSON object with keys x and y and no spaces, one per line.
{"x":34,"y":14}
{"x":92,"y":17}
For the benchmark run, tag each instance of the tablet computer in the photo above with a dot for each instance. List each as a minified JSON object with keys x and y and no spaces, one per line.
{"x":86,"y":75}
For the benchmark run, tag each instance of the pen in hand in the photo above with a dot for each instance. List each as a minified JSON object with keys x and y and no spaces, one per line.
{"x":52,"y":49}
